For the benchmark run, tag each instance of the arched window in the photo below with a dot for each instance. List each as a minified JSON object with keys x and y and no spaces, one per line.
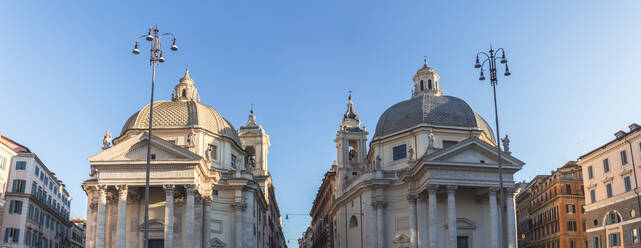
{"x":251,"y":153}
{"x":422,"y":87}
{"x":612,"y":218}
{"x":184,"y":92}
{"x":429,"y":84}
{"x":353,"y":222}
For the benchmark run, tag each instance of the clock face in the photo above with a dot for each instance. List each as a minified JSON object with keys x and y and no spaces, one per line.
{"x":523,"y":236}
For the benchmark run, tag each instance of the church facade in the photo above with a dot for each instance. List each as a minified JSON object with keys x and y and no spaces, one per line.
{"x":209,"y":183}
{"x":429,"y":177}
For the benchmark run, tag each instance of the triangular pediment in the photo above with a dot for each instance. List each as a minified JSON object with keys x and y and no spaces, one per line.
{"x":471,"y":151}
{"x":135,"y":149}
{"x":401,"y":239}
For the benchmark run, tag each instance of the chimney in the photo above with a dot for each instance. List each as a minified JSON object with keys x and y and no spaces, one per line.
{"x":619,"y":134}
{"x":633,"y":127}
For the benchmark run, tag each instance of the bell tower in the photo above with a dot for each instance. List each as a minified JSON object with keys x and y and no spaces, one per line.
{"x":256,"y":144}
{"x":351,"y":143}
{"x":426,"y":81}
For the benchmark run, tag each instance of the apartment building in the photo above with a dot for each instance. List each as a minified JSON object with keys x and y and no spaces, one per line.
{"x":36,"y":211}
{"x":611,"y":176}
{"x":77,"y":237}
{"x":550,"y":210}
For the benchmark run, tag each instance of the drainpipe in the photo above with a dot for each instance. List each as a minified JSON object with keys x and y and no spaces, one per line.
{"x":634,"y":170}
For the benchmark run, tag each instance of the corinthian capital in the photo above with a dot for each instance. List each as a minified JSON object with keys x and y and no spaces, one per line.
{"x":190,"y":188}
{"x":102,"y":190}
{"x":169,"y":189}
{"x":239,"y":206}
{"x":123,"y":190}
{"x":379,"y":204}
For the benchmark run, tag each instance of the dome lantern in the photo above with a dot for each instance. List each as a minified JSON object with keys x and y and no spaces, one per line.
{"x":185,"y":89}
{"x":426,"y":81}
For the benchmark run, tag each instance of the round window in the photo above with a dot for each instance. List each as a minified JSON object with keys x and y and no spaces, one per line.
{"x":633,"y":213}
{"x":596,"y":222}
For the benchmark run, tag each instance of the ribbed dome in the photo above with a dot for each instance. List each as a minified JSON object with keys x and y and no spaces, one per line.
{"x":181,"y":114}
{"x":427,"y":109}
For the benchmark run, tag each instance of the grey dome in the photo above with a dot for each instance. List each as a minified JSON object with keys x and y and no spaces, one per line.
{"x":432,"y":110}
{"x":181,"y":115}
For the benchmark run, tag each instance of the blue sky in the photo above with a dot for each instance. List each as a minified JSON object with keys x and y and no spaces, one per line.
{"x":68,"y":74}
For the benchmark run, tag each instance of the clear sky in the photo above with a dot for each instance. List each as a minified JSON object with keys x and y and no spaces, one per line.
{"x":68,"y":74}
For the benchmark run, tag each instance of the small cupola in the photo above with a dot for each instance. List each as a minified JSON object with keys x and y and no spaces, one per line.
{"x":426,"y":81}
{"x":350,"y":118}
{"x":185,"y":90}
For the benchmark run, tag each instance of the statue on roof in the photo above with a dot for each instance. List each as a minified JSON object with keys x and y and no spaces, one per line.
{"x":430,"y":139}
{"x":106,"y":140}
{"x":506,"y":144}
{"x":190,"y":138}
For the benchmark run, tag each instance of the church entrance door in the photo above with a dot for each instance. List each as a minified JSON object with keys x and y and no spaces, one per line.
{"x":156,"y":243}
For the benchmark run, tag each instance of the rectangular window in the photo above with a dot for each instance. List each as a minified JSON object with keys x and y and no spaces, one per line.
{"x":624,"y":157}
{"x":11,"y":235}
{"x":590,"y":172}
{"x":572,"y":225}
{"x":448,"y":143}
{"x":2,"y":161}
{"x":569,"y":208}
{"x":213,"y":152}
{"x":608,"y":190}
{"x":568,"y":189}
{"x":606,"y":165}
{"x":37,"y":170}
{"x":15,"y":207}
{"x":399,"y":152}
{"x":30,"y":213}
{"x":233,"y":161}
{"x":627,"y":184}
{"x":21,"y":165}
{"x":614,"y":239}
{"x":633,"y":236}
{"x":592,"y":196}
{"x":18,"y":186}
{"x":27,"y":240}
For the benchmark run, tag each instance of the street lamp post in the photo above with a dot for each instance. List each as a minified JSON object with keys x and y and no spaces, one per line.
{"x":490,"y":59}
{"x":155,"y":57}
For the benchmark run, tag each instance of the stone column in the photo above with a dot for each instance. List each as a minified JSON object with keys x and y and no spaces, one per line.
{"x":207,"y":202}
{"x":380,"y":224}
{"x":122,"y":215}
{"x":169,"y":215}
{"x":494,"y":218}
{"x":510,"y":215}
{"x":421,"y":219}
{"x":239,"y":207}
{"x":102,"y":210}
{"x":411,"y":198}
{"x":432,"y":215}
{"x":451,"y":216}
{"x":189,"y":216}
